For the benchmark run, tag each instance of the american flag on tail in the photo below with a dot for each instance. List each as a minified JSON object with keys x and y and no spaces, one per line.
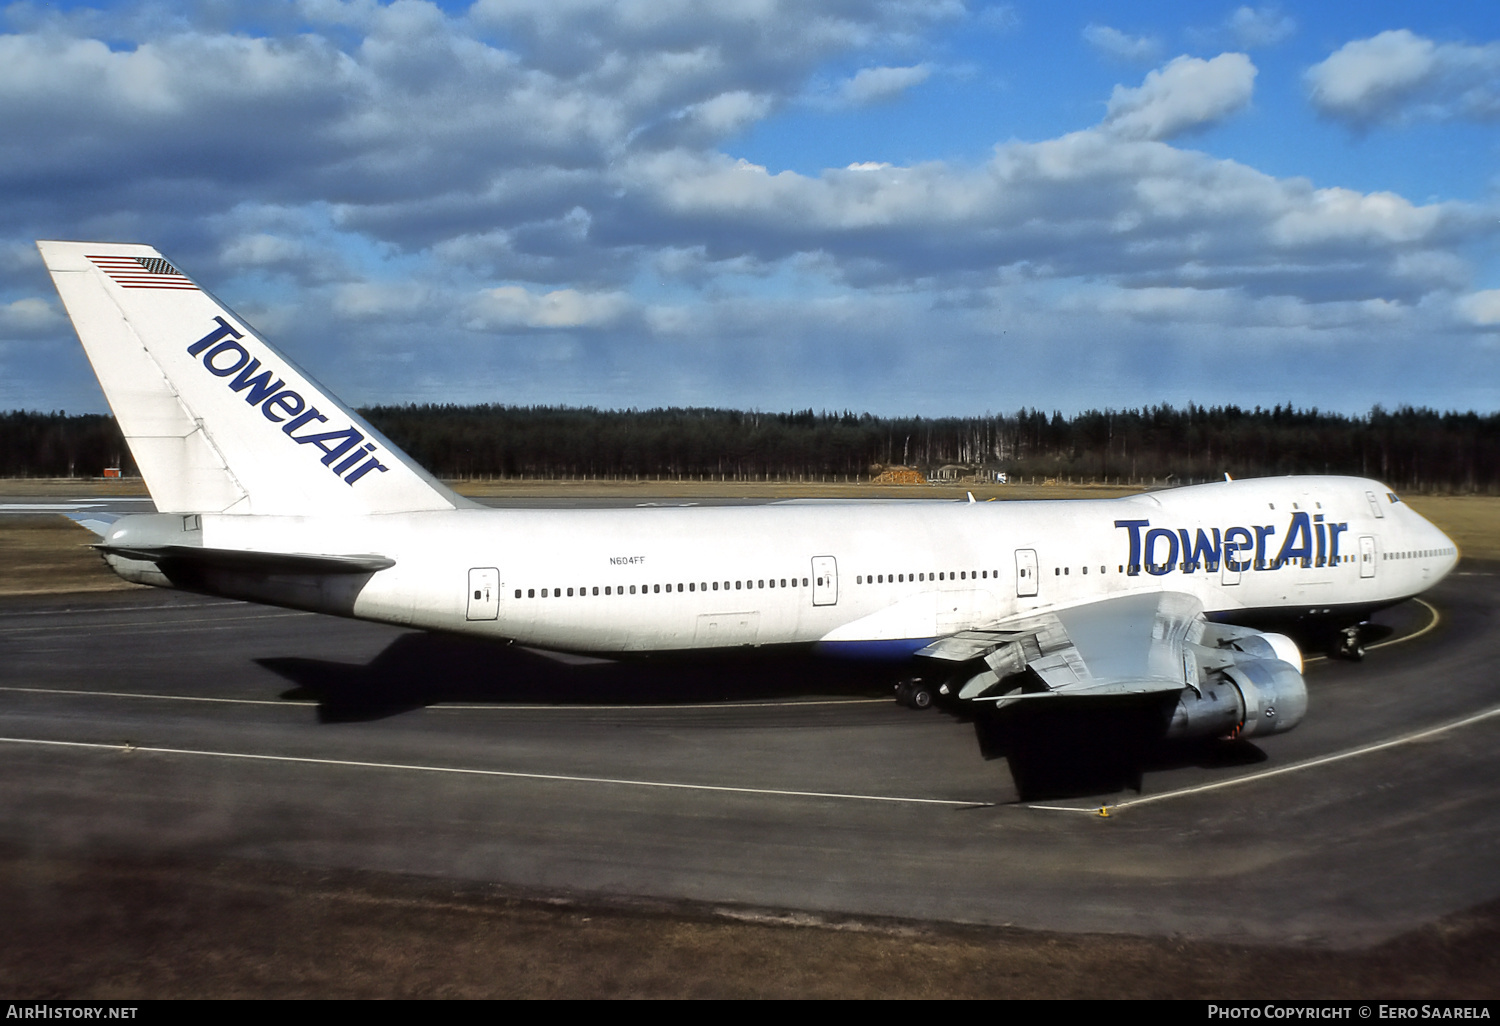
{"x":142,"y":272}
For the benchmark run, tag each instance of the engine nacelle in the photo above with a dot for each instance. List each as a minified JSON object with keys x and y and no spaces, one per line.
{"x":1274,"y":692}
{"x":1270,"y":646}
{"x":1248,"y":698}
{"x":1253,"y":643}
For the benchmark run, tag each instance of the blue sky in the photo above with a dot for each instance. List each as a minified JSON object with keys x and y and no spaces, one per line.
{"x":900,"y":206}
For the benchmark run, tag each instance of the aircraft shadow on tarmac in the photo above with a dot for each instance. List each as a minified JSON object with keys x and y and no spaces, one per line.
{"x":1051,"y":755}
{"x":421,"y":669}
{"x":1077,"y":754}
{"x":1107,"y":749}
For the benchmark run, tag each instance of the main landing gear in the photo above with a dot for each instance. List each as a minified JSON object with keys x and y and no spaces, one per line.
{"x":914,"y":693}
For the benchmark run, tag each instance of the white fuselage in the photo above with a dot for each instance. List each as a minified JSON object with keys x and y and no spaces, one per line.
{"x":869,"y":577}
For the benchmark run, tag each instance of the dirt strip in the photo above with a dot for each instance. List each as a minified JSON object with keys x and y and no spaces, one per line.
{"x":97,"y":928}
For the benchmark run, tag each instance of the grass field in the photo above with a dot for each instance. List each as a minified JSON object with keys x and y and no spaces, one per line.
{"x":45,"y":554}
{"x":1471,"y":520}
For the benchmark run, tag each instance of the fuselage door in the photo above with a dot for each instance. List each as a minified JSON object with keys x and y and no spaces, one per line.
{"x":484,"y":593}
{"x":1366,"y":556}
{"x":1229,"y":572}
{"x":825,"y":581}
{"x":1026,"y":578}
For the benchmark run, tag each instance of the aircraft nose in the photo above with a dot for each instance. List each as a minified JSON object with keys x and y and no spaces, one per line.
{"x":1449,"y":549}
{"x":1449,"y":546}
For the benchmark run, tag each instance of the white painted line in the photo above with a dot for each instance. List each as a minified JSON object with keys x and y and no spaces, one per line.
{"x":1094,"y":811}
{"x":47,"y":507}
{"x":13,"y":614}
{"x":75,"y":511}
{"x":672,"y":706}
{"x":508,"y":774}
{"x":165,"y":698}
{"x":158,"y":626}
{"x":1296,"y":767}
{"x":1437,"y":618}
{"x":443,"y":707}
{"x":1431,"y":625}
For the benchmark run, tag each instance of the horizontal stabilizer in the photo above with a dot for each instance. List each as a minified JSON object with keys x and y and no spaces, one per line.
{"x":251,"y":562}
{"x":99,"y":523}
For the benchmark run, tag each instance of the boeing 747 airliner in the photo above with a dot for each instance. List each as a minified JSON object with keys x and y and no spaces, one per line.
{"x":269,"y":489}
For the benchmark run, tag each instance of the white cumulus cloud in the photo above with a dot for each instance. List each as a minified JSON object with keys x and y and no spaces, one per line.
{"x":1481,"y":308}
{"x":379,"y":300}
{"x":262,"y":249}
{"x":1252,"y":27}
{"x":1186,"y":95}
{"x":1122,"y":46}
{"x":512,"y":306}
{"x":569,"y":168}
{"x":29,"y":317}
{"x":1399,"y":76}
{"x":871,"y":85}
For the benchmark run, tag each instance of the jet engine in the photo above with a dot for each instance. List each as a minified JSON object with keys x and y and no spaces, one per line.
{"x":1249,"y":685}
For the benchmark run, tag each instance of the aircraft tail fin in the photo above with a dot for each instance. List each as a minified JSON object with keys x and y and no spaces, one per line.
{"x":217,"y":419}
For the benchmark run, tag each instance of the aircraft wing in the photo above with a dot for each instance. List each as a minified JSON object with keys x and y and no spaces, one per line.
{"x":1129,"y":645}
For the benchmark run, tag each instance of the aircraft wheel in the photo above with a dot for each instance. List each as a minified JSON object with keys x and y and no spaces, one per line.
{"x":914,"y":693}
{"x":1350,"y":645}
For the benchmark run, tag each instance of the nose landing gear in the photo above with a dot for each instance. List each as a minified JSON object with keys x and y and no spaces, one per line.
{"x":1349,"y":644}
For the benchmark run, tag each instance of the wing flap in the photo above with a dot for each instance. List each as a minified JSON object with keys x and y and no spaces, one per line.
{"x":1128,"y":645}
{"x":966,"y":645}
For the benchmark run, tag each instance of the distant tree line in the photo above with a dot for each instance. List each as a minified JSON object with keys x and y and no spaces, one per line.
{"x":1409,"y":448}
{"x":1413,"y":449}
{"x":59,"y":445}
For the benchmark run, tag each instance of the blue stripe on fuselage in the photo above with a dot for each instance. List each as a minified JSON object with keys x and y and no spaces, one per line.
{"x":895,"y":650}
